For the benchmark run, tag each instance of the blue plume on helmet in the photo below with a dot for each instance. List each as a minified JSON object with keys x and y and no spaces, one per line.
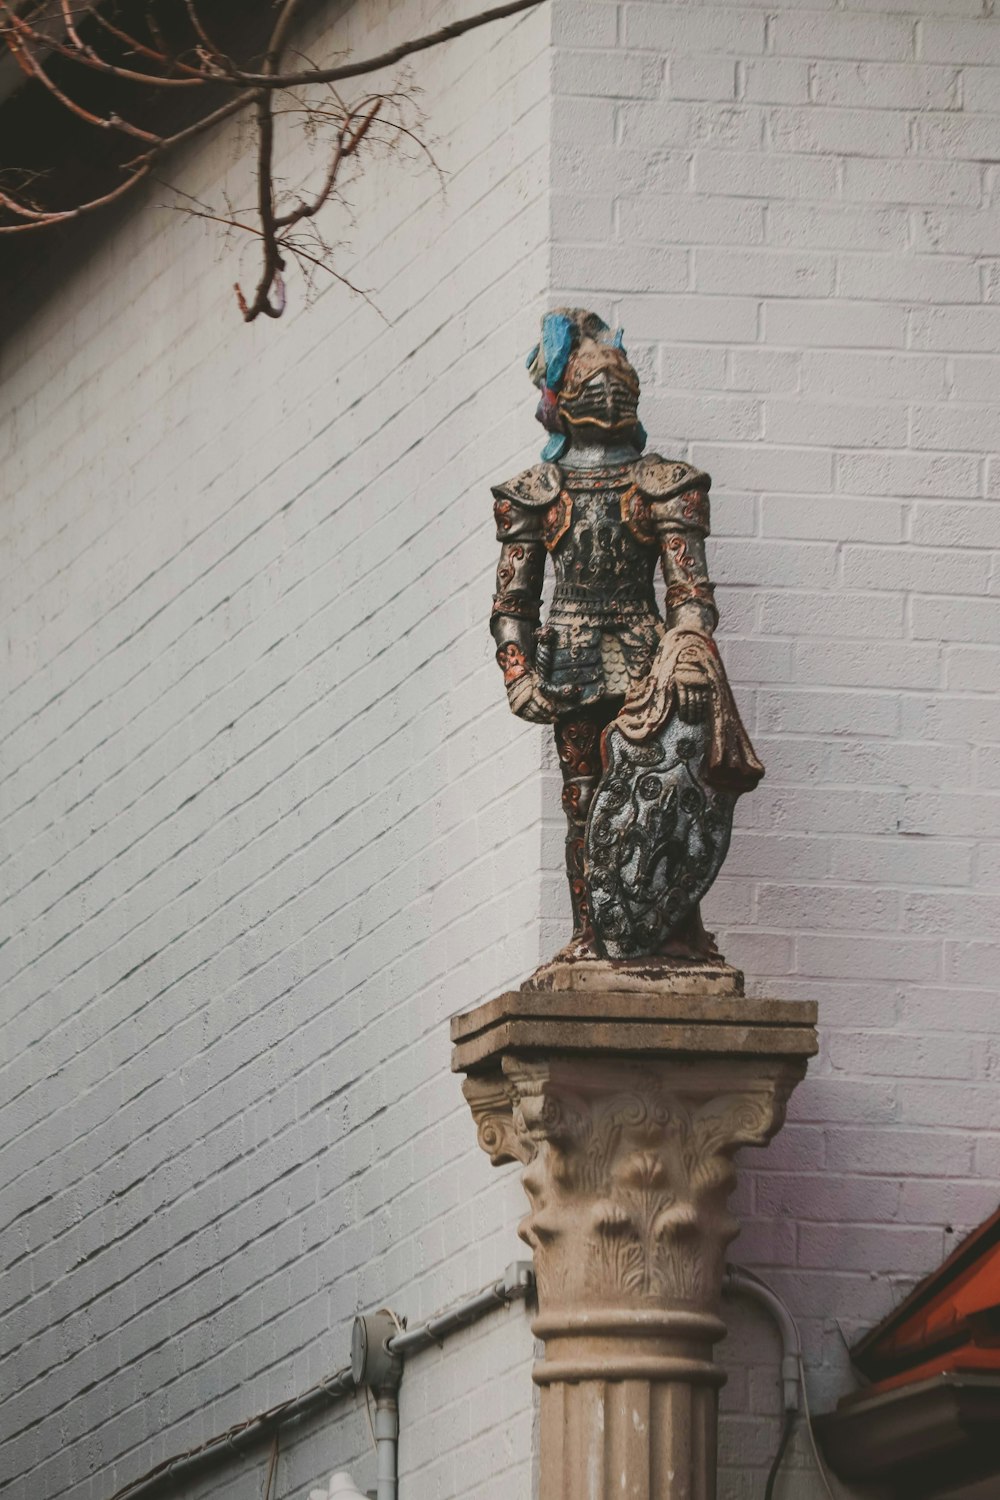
{"x":557,"y":346}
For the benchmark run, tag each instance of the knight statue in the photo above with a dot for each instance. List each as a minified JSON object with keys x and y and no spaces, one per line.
{"x":651,"y":746}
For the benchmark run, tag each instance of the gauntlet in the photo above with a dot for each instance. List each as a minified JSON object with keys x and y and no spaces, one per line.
{"x":529,"y":694}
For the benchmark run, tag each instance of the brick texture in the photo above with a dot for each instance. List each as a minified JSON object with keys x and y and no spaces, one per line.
{"x":266,"y":819}
{"x":266,"y":822}
{"x":832,"y":359}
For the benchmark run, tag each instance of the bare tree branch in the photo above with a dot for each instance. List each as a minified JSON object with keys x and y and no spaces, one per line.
{"x":22,"y":52}
{"x":223,"y":71}
{"x":385,"y":59}
{"x":43,"y":220}
{"x":274,"y":264}
{"x":138,"y":169}
{"x":86,"y":56}
{"x":46,"y":30}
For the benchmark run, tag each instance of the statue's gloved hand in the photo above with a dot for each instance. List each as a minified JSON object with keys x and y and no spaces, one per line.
{"x":694,"y":689}
{"x":530,"y":695}
{"x":537,"y":702}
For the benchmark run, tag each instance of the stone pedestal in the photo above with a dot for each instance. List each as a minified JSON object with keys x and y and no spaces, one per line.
{"x":625,"y":1091}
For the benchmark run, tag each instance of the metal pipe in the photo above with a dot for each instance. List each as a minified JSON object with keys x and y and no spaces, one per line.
{"x":386,"y":1445}
{"x":385,"y":1364}
{"x":735,"y":1280}
{"x":516,"y":1282}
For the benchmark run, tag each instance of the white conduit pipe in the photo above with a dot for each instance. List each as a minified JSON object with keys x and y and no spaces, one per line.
{"x":379,"y":1344}
{"x":516,"y":1281}
{"x":386,"y":1445}
{"x":738,"y":1280}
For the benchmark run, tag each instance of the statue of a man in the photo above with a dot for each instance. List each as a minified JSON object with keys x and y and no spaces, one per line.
{"x":652,"y":750}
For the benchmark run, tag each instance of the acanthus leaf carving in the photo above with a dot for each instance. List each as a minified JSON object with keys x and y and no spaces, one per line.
{"x":628,"y":1173}
{"x":489,"y":1102}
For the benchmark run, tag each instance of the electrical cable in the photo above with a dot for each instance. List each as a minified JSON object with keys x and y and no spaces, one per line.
{"x":272,"y":1468}
{"x":787,"y":1428}
{"x":252,"y":1429}
{"x":371,"y":1424}
{"x":820,"y":1465}
{"x":736,"y":1279}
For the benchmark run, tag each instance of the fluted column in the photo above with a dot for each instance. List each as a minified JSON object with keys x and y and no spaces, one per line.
{"x":627,"y":1161}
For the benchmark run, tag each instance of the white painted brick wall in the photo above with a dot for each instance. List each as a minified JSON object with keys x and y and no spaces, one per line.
{"x":803,"y":250}
{"x":266,"y":822}
{"x":266,"y":819}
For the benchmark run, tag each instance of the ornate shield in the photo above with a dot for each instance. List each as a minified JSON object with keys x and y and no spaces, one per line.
{"x":656,"y":837}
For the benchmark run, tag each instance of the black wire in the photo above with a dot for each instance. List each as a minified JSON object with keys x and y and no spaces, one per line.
{"x":786,"y":1433}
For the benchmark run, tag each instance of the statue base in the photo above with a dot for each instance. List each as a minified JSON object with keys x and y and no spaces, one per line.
{"x":625,"y":1089}
{"x":679,"y":976}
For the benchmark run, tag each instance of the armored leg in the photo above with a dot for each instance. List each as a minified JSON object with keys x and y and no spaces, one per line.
{"x":578,"y":743}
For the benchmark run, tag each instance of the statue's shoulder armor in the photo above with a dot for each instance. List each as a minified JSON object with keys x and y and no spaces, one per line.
{"x":662,"y":478}
{"x":535,"y":488}
{"x":677,"y":491}
{"x":521,"y":504}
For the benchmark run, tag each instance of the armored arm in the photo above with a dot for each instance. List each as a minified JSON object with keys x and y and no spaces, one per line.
{"x":678,"y":500}
{"x":518,"y":598}
{"x":519,"y":507}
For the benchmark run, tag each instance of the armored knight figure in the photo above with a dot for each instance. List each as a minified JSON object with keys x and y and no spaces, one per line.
{"x":651,"y":746}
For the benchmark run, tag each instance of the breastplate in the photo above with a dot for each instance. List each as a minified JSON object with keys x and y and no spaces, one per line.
{"x":598,"y":560}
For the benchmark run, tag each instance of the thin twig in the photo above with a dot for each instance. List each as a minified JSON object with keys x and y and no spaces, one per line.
{"x":344,"y":148}
{"x":231,"y":107}
{"x":95,"y":13}
{"x":159,"y":41}
{"x":198,"y":27}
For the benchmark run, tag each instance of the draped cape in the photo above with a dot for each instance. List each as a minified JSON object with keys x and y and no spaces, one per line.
{"x":730,"y":762}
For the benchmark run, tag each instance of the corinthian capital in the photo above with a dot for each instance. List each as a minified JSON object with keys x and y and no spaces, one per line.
{"x":628,"y":1169}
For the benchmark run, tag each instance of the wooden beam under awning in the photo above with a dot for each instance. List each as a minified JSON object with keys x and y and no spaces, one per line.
{"x":937,"y":1439}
